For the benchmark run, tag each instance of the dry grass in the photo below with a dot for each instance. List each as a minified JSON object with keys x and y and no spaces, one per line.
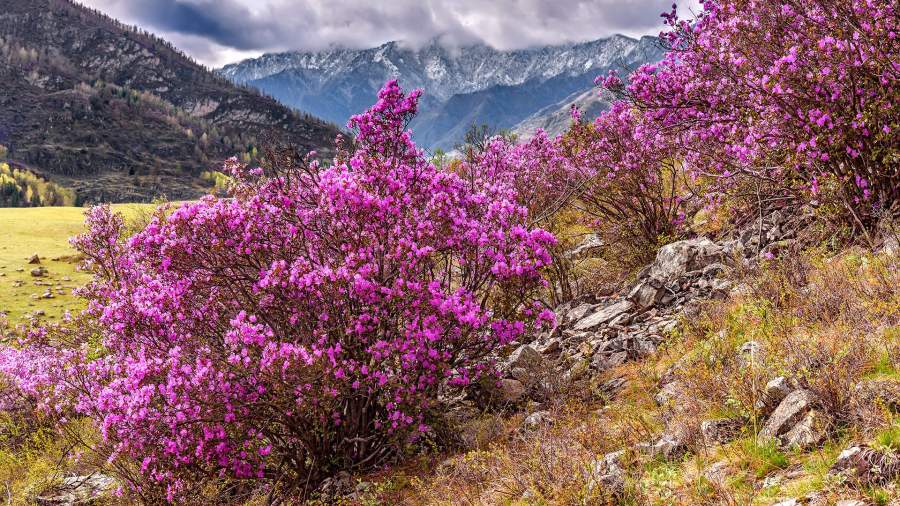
{"x":829,"y":324}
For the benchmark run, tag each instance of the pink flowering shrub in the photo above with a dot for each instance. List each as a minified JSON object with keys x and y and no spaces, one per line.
{"x":794,"y":93}
{"x":538,"y":172}
{"x":303,"y":326}
{"x":629,"y":179}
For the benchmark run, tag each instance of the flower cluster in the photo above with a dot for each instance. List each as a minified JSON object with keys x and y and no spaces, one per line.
{"x":788,"y":91}
{"x":304,"y":325}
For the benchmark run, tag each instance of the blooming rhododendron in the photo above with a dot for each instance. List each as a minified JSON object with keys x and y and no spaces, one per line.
{"x":304,"y":325}
{"x":783,"y":90}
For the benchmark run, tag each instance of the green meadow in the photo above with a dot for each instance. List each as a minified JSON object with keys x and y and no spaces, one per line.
{"x":43,"y":231}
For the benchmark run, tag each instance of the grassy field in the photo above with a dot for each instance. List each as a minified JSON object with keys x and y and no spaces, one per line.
{"x":44,"y":231}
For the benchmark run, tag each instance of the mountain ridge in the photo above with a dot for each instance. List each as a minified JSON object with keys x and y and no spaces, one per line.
{"x":466,"y":85}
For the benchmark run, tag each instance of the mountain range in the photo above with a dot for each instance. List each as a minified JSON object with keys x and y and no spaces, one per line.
{"x":117,"y":114}
{"x":518,"y":90}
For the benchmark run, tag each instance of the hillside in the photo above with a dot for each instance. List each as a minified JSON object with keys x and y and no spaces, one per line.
{"x":119,"y":115}
{"x":464,"y":86}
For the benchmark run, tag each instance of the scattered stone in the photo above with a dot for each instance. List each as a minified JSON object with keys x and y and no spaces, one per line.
{"x":777,"y":389}
{"x":77,"y":490}
{"x":525,"y":364}
{"x":608,"y":474}
{"x":717,"y":472}
{"x":790,"y":411}
{"x":39,"y":272}
{"x":808,"y":432}
{"x":668,"y":446}
{"x":537,"y":420}
{"x":34,"y":259}
{"x":604,"y":315}
{"x":866,"y":465}
{"x":47,"y":295}
{"x":669,"y":392}
{"x":787,"y":502}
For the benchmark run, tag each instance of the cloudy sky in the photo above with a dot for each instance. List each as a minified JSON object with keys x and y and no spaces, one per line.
{"x":223,"y":31}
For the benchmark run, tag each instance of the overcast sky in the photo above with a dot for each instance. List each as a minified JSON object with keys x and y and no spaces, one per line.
{"x":217,"y":32}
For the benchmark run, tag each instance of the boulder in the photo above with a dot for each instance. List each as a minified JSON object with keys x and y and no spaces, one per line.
{"x":525,"y":364}
{"x":866,"y":465}
{"x":537,"y":420}
{"x":808,"y":432}
{"x":34,"y":259}
{"x":604,"y":315}
{"x":788,"y":413}
{"x":77,"y":490}
{"x":39,"y":272}
{"x":675,"y":260}
{"x":670,"y":392}
{"x":607,"y":474}
{"x":777,"y":389}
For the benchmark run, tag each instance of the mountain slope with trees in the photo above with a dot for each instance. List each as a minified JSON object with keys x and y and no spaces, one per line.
{"x":119,"y":115}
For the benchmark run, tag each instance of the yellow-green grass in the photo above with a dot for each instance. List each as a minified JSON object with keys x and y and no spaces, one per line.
{"x":44,"y":231}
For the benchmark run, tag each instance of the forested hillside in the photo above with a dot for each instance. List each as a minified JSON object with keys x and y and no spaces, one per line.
{"x":116,"y":114}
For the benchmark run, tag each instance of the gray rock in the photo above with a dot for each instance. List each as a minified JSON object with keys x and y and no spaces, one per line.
{"x":537,"y":420}
{"x":808,"y":432}
{"x":607,"y":474}
{"x":647,"y":293}
{"x":77,"y":490}
{"x":578,"y":312}
{"x":678,"y":258}
{"x":717,"y":472}
{"x":777,"y":389}
{"x":788,"y":413}
{"x":525,"y":364}
{"x":670,"y":392}
{"x":39,"y":272}
{"x":668,"y":446}
{"x":34,"y":259}
{"x":604,"y":315}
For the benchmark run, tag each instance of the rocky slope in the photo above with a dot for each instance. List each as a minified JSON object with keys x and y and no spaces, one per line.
{"x":120,"y":115}
{"x":464,"y":86}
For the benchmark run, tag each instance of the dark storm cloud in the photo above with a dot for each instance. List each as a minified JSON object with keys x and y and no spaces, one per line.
{"x":218,"y":29}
